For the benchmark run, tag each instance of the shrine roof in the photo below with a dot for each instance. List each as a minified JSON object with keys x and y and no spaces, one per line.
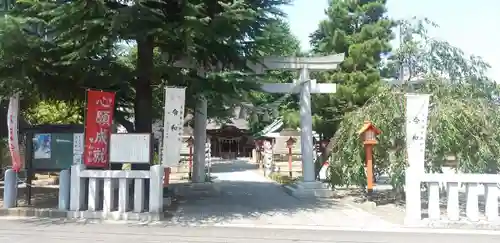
{"x":241,"y":124}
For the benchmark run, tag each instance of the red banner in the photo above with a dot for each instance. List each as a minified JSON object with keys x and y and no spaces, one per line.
{"x":98,"y":120}
{"x":12,"y":125}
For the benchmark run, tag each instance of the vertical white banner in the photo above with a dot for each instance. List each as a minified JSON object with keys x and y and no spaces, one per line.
{"x":173,"y":126}
{"x":417,"y":111}
{"x":78,"y":140}
{"x":13,"y":128}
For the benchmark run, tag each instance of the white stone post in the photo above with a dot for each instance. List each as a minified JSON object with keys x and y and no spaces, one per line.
{"x":417,"y":110}
{"x":64,"y":190}
{"x":156,"y":189}
{"x":77,"y":191}
{"x":10,"y":189}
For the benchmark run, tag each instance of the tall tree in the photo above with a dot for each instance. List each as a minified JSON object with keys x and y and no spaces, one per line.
{"x":459,"y":95}
{"x":420,"y":54}
{"x":361,"y":30}
{"x":281,"y":42}
{"x":74,"y":46}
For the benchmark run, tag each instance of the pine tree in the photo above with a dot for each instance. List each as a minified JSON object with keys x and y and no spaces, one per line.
{"x":361,"y":30}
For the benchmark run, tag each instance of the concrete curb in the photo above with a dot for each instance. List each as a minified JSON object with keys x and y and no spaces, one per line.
{"x":33,"y":212}
{"x":364,"y":229}
{"x":25,"y":212}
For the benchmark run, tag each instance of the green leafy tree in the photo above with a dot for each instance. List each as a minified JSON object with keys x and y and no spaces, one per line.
{"x":54,"y":112}
{"x":420,"y":54}
{"x":463,"y":114}
{"x":60,"y":48}
{"x":362,"y":31}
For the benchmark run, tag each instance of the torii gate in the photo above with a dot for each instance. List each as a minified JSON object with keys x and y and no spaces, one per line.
{"x":304,"y":64}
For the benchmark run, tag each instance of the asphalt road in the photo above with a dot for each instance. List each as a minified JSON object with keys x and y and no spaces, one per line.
{"x":56,"y":231}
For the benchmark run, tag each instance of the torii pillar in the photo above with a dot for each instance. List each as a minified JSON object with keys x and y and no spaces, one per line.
{"x":200,"y":124}
{"x":305,"y":65}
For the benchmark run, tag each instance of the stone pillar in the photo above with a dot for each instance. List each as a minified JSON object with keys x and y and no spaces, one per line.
{"x":156,"y":189}
{"x":306,"y":128}
{"x":200,"y":136}
{"x":77,"y":190}
{"x":64,"y":189}
{"x":10,"y":189}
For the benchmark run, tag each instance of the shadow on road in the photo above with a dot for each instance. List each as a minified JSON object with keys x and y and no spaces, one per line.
{"x":240,"y":200}
{"x":240,"y":193}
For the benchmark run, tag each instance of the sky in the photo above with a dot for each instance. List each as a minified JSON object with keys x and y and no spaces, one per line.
{"x":473,"y":26}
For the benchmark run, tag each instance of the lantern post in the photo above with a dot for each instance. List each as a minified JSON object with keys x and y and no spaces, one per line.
{"x":369,"y":134}
{"x":190,"y":161}
{"x":289,"y":143}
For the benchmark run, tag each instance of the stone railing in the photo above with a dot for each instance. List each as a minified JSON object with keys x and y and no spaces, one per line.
{"x":93,"y":194}
{"x":480,"y":189}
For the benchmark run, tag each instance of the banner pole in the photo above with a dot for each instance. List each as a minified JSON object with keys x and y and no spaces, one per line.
{"x":85,"y":125}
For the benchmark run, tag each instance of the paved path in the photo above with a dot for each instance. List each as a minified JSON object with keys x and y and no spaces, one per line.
{"x":248,"y":198}
{"x":56,"y":231}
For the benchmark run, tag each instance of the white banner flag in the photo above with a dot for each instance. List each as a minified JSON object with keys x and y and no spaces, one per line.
{"x":78,"y":147}
{"x":417,"y":111}
{"x":13,"y":128}
{"x":173,"y":126}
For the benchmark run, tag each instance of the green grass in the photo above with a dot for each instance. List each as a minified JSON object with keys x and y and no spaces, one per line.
{"x":284,"y":179}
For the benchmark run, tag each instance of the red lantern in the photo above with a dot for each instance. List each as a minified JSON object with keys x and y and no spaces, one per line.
{"x":290,"y":142}
{"x":369,"y":135}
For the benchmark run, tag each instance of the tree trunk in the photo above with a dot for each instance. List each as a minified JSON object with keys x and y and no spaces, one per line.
{"x":143,"y":104}
{"x":324,"y":155}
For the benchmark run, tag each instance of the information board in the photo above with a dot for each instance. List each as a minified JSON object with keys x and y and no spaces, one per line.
{"x":130,"y":148}
{"x":52,"y":151}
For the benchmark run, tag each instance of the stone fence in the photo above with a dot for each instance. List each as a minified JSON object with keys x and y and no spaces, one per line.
{"x":104,"y":194}
{"x":481,"y":190}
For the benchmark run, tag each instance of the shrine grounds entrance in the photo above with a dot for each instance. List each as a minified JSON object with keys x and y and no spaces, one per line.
{"x":242,"y":196}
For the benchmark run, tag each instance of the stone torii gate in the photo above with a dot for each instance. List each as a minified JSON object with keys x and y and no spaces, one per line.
{"x":309,"y":185}
{"x":305,"y":64}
